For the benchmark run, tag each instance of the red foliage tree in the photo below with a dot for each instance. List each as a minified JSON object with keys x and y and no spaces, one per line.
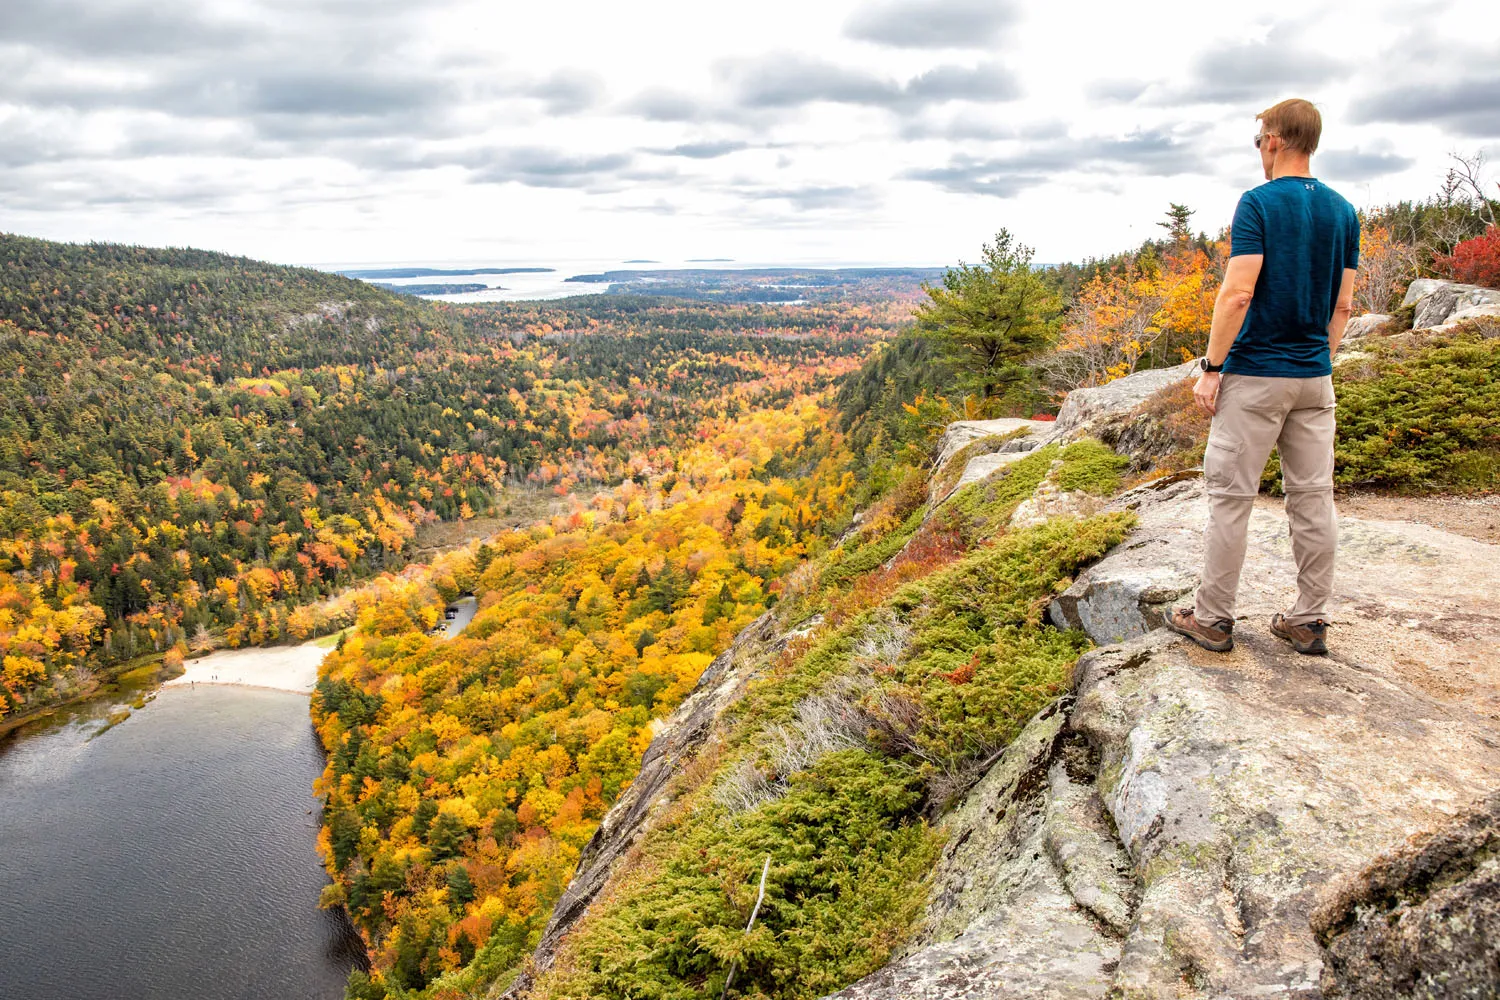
{"x":1474,"y":262}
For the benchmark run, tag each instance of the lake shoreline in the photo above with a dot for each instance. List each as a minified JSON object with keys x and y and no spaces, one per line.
{"x":292,"y":669}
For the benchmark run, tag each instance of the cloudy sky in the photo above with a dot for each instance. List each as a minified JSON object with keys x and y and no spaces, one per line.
{"x":875,"y":130}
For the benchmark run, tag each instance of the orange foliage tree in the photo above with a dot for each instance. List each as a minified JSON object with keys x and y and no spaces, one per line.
{"x":1144,"y":312}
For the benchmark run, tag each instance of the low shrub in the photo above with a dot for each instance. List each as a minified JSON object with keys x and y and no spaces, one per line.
{"x":1418,"y":417}
{"x":981,"y":662}
{"x":1423,"y":416}
{"x":1090,"y":466}
{"x":849,"y":858}
{"x":869,"y":551}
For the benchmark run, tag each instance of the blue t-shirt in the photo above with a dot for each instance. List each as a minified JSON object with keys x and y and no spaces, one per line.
{"x":1308,"y":234}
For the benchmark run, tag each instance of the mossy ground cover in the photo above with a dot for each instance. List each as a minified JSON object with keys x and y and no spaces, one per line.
{"x":981,"y":663}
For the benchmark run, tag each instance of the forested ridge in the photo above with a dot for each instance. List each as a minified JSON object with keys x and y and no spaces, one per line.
{"x":194,"y":447}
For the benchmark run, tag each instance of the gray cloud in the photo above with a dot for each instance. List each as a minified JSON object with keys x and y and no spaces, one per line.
{"x":759,"y":92}
{"x":788,"y":81}
{"x":1151,"y":152}
{"x":966,"y":174}
{"x":959,"y":128}
{"x":336,"y":92}
{"x":133,"y":29}
{"x":245,"y":89}
{"x":658,"y":207}
{"x":662,"y":105}
{"x":1359,"y":165}
{"x":1470,"y":107}
{"x":813,"y":197}
{"x":918,"y":24}
{"x":538,"y":167}
{"x":50,"y":187}
{"x":1258,"y":71}
{"x":1119,"y":91}
{"x":568,"y":91}
{"x":707,"y":150}
{"x":289,"y":78}
{"x":985,"y":82}
{"x":277,"y":79}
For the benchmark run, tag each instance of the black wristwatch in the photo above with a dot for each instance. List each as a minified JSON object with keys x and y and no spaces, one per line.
{"x":1203,"y":363}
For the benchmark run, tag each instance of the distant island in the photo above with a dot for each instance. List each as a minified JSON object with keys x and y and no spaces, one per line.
{"x":641,"y":260}
{"x":433,"y":289}
{"x":435,"y":272}
{"x":807,"y":276}
{"x":706,"y":260}
{"x":764,"y":284}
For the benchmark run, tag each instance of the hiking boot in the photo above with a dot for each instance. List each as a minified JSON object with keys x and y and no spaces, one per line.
{"x":1311,"y":638}
{"x":1218,"y":637}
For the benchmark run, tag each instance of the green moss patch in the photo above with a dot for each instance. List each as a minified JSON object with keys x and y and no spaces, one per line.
{"x":981,"y":663}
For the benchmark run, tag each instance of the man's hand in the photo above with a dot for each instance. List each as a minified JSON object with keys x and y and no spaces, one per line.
{"x":1206,"y":392}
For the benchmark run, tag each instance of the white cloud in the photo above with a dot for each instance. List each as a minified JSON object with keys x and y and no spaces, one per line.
{"x":322,"y":130}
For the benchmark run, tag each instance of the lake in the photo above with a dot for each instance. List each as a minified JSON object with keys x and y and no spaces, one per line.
{"x":169,"y":856}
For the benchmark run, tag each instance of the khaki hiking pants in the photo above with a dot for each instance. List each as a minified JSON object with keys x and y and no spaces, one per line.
{"x":1255,"y":413}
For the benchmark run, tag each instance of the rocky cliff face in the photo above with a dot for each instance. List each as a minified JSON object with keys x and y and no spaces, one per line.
{"x":1169,"y":829}
{"x":1189,"y":824}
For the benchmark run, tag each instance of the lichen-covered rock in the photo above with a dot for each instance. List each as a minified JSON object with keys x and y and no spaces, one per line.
{"x":1124,"y":595}
{"x":1422,"y":921}
{"x":965,"y":432}
{"x":1434,"y":301}
{"x":1031,"y":894}
{"x":983,"y":466}
{"x":1485,"y":310}
{"x":1085,"y":409}
{"x":1240,"y":784}
{"x":1362,"y":326}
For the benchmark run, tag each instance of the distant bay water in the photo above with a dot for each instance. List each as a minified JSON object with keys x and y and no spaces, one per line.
{"x":553,"y":283}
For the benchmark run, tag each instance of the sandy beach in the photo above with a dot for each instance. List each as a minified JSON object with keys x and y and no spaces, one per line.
{"x":285,"y":668}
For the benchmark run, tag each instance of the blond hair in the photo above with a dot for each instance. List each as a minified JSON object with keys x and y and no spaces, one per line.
{"x":1296,"y":122}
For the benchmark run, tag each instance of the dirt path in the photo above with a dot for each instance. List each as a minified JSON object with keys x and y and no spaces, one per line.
{"x":1476,"y":517}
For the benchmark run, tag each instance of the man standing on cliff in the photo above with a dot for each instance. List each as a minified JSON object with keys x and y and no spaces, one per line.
{"x":1268,"y":379}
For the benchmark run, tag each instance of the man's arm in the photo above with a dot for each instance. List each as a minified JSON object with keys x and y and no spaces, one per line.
{"x":1229,"y":315}
{"x":1341,"y":312}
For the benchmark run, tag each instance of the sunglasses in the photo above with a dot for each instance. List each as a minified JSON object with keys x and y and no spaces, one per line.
{"x":1261,"y":135}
